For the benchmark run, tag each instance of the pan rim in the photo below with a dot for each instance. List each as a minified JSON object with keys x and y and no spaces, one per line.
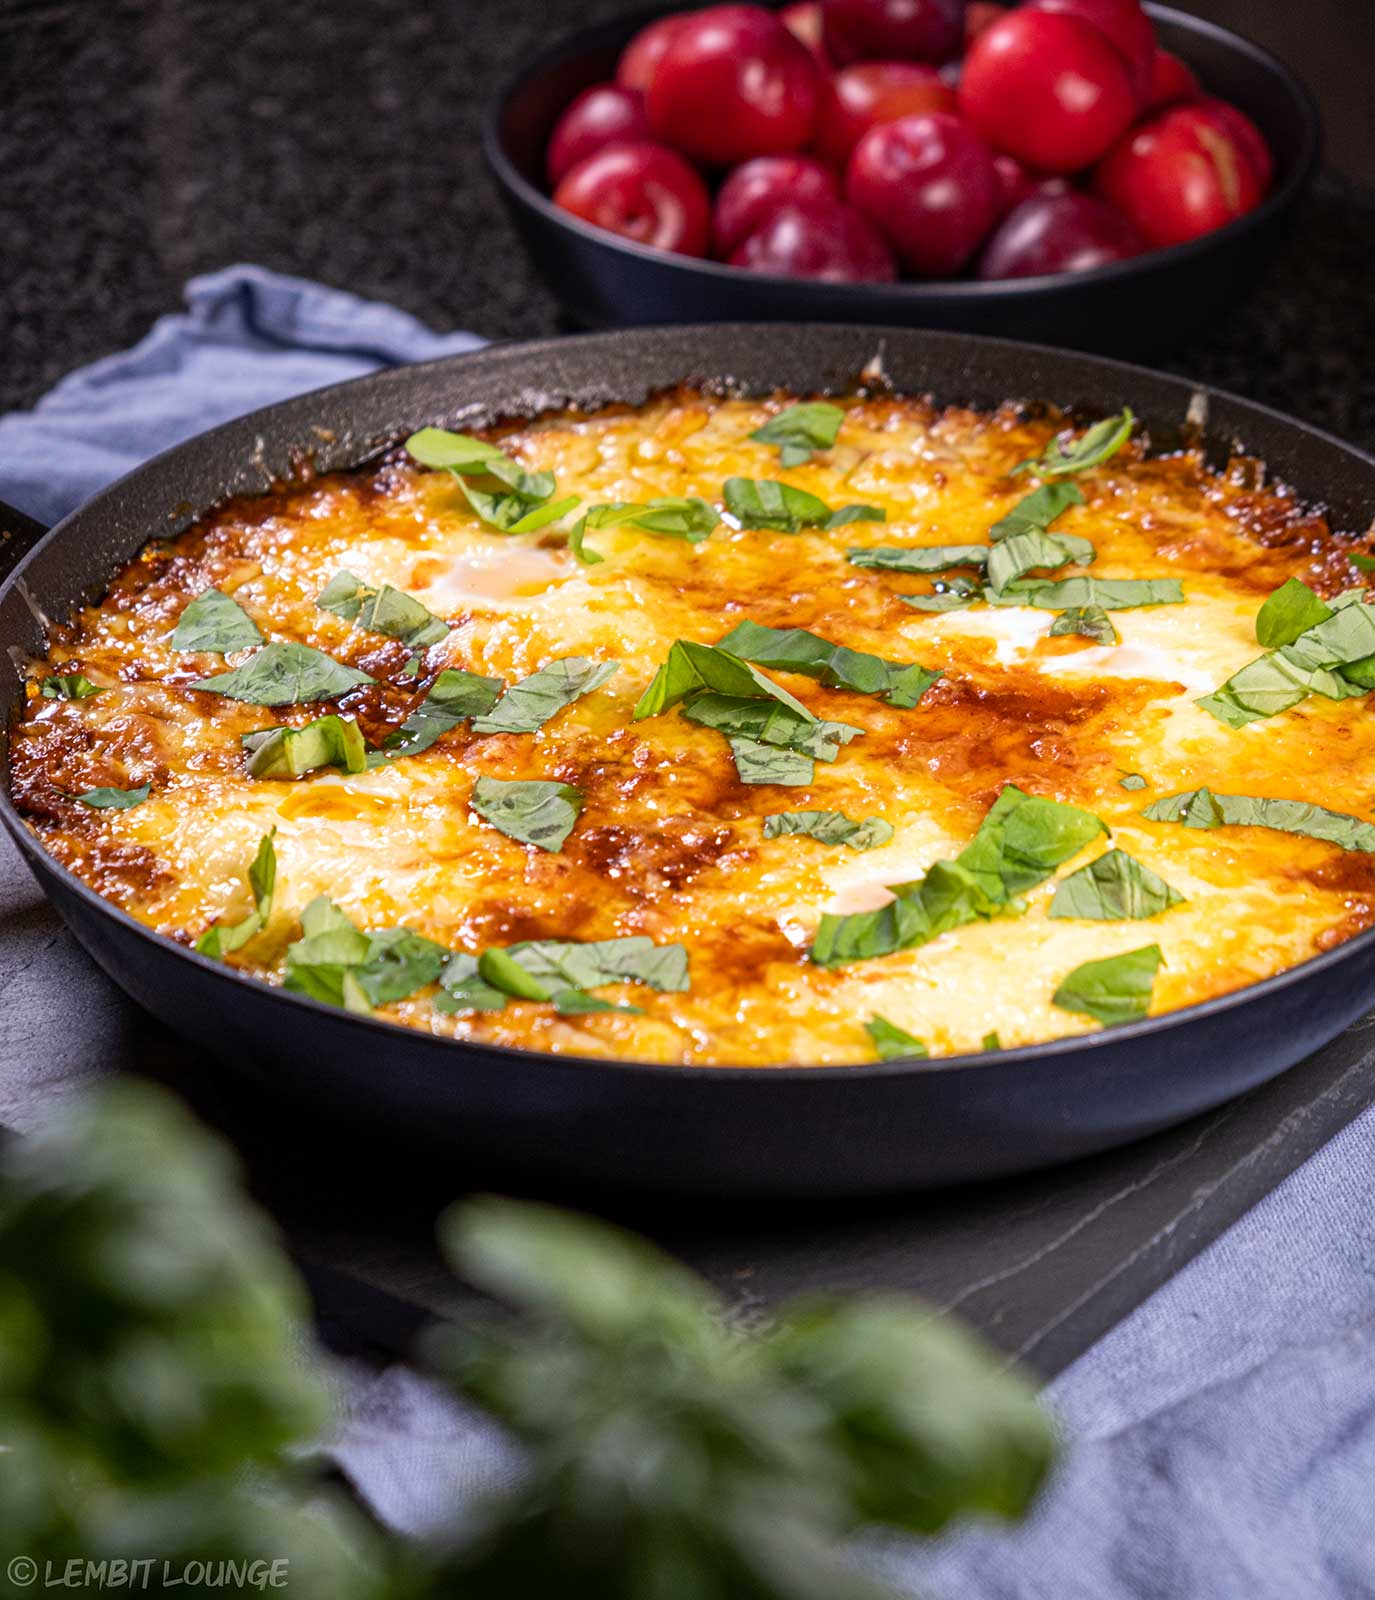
{"x":1103,"y":1040}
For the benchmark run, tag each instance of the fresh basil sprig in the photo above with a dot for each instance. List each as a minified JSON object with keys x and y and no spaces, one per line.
{"x":1062,"y":459}
{"x":385,"y":610}
{"x":285,"y":674}
{"x":801,"y":429}
{"x":536,"y":811}
{"x":1019,"y":843}
{"x":676,"y":517}
{"x":891,"y":1043}
{"x":1112,"y":991}
{"x":899,"y":683}
{"x":453,"y":696}
{"x":1201,"y":808}
{"x":530,"y":703}
{"x":114,"y":799}
{"x":766,"y":503}
{"x":328,"y":741}
{"x":830,"y":827}
{"x":216,"y":624}
{"x":1114,"y":888}
{"x":222,"y":937}
{"x":72,"y":686}
{"x":1090,"y":622}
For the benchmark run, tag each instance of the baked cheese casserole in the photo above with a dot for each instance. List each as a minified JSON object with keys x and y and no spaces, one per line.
{"x":733,"y":732}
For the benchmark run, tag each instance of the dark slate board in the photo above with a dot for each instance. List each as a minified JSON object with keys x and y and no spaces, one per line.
{"x":1044,"y":1265}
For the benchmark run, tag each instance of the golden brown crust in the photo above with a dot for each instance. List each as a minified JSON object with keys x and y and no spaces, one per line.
{"x":670,"y":840}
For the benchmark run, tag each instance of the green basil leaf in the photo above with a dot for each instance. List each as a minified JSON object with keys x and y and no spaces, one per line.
{"x":387,"y":611}
{"x":284,"y":675}
{"x":1201,"y":808}
{"x":465,"y":989}
{"x":830,"y":827}
{"x":540,"y":812}
{"x":1268,"y":685}
{"x":454,"y":452}
{"x":946,"y":897}
{"x":1035,"y":512}
{"x":114,"y":799}
{"x":836,"y":666}
{"x":691,"y":669}
{"x":675,"y":517}
{"x":529,"y":704}
{"x":216,"y":624}
{"x":453,"y":696}
{"x":1131,"y":780}
{"x":767,"y":763}
{"x":1028,"y":552}
{"x":801,"y":429}
{"x":1103,"y":440}
{"x":923,"y":558}
{"x":75,"y":686}
{"x":1109,"y":594}
{"x":221,"y":938}
{"x":1362,"y":563}
{"x":335,"y":961}
{"x":1022,"y":840}
{"x":1113,"y":991}
{"x":952,"y":594}
{"x":1090,"y":622}
{"x":766,"y":503}
{"x":574,"y":1003}
{"x":561,"y":970}
{"x":1332,"y":657}
{"x":991,"y":1041}
{"x":1114,"y":888}
{"x":329,"y":741}
{"x":767,"y":722}
{"x":892,"y":1042}
{"x":1291,"y":610}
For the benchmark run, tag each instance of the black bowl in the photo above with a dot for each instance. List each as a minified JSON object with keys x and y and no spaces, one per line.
{"x":1145,"y":305}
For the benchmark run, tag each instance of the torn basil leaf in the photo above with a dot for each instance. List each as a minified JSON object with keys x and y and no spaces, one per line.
{"x":215,"y":624}
{"x":529,"y":704}
{"x":1334,"y":657}
{"x":1113,"y":991}
{"x":767,"y":722}
{"x":1114,"y":888}
{"x":285,"y":674}
{"x":1291,"y":610}
{"x":892,"y":1042}
{"x":72,"y":686}
{"x":386,"y":610}
{"x":515,"y":501}
{"x":1019,"y":843}
{"x":561,"y":970}
{"x":540,"y":811}
{"x":900,"y":683}
{"x":1035,"y":512}
{"x":1201,"y":808}
{"x":830,"y":827}
{"x":691,"y":669}
{"x":1131,"y":780}
{"x":1061,"y":459}
{"x":1022,"y":840}
{"x":453,"y":696}
{"x":991,"y":1041}
{"x":676,"y":517}
{"x":114,"y":799}
{"x":923,"y":558}
{"x":337,"y":962}
{"x":800,"y":430}
{"x":1109,"y":594}
{"x":329,"y":741}
{"x":1090,"y":622}
{"x":767,"y":763}
{"x":1362,"y":563}
{"x":952,"y":594}
{"x":766,"y":503}
{"x":1014,"y":557}
{"x":455,"y":452}
{"x":221,"y":938}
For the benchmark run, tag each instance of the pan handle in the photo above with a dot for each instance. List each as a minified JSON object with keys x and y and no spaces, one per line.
{"x":18,"y":535}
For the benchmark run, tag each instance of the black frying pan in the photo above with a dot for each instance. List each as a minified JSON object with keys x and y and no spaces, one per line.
{"x":793,"y":1130}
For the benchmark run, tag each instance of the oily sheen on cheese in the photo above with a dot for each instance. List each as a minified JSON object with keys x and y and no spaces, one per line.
{"x":669,"y":843}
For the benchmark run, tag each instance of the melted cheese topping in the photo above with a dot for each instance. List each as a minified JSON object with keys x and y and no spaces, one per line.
{"x":670,"y":842}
